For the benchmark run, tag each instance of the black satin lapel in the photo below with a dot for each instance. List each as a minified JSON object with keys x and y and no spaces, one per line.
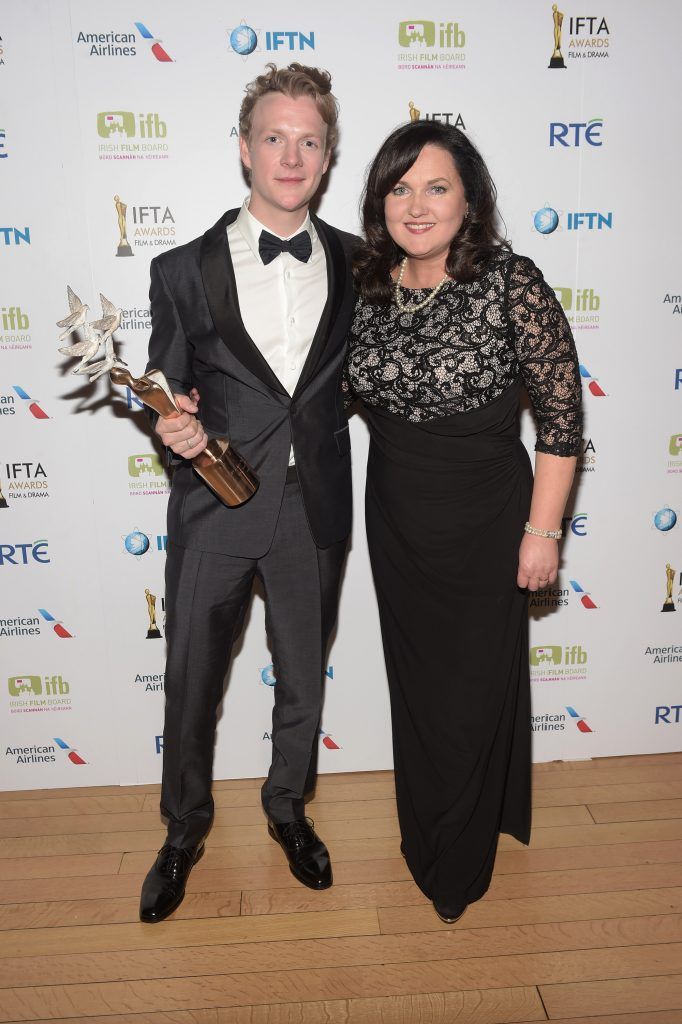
{"x":336,"y":286}
{"x":220,"y":287}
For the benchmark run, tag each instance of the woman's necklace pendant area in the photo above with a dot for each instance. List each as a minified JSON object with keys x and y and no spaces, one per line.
{"x":416,"y":306}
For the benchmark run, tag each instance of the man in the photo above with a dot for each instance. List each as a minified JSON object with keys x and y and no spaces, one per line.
{"x":254,"y":315}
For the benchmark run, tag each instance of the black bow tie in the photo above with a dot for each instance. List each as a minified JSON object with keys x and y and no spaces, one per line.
{"x":270,"y":246}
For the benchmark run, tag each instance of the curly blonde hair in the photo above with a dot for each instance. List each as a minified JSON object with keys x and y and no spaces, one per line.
{"x":295,"y":80}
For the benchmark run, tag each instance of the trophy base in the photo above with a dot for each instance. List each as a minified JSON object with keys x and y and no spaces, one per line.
{"x":153,"y":634}
{"x":226,"y":472}
{"x":3,"y":503}
{"x":557,"y":62}
{"x":124,"y":250}
{"x":669,"y":607}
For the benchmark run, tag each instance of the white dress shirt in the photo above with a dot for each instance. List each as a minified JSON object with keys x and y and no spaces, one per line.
{"x":280,"y":303}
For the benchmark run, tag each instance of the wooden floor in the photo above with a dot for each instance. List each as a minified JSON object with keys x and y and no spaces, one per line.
{"x":585,"y":925}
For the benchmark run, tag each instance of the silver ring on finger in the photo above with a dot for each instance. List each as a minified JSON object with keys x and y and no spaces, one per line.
{"x":188,"y":444}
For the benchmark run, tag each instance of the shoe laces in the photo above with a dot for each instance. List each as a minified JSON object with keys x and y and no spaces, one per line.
{"x":173,"y":861}
{"x":299,"y":833}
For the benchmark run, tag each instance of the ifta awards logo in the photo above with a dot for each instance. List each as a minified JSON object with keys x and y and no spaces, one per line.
{"x":669,"y":603}
{"x":123,"y":248}
{"x":153,"y":632}
{"x":557,"y":60}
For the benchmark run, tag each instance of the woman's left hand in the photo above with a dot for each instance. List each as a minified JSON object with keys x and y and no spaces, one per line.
{"x":538,"y":562}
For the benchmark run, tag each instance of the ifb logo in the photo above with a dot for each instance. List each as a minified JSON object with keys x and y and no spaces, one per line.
{"x":583,"y":300}
{"x":575,"y":132}
{"x":244,"y":40}
{"x":20,"y":686}
{"x":580,"y":722}
{"x":593,"y":384}
{"x":574,"y":655}
{"x":73,"y":755}
{"x":422,"y":34}
{"x":678,"y":379}
{"x":675,"y":445}
{"x":267,"y":674}
{"x":118,"y":125}
{"x":585,"y":599}
{"x":145,"y":465}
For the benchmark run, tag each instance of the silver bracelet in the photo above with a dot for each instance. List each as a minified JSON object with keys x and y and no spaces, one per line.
{"x":550,"y":534}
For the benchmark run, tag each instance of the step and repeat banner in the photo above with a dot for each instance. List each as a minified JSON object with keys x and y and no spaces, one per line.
{"x":118,"y":139}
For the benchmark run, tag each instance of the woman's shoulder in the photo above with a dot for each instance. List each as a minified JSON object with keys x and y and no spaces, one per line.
{"x":517,"y":267}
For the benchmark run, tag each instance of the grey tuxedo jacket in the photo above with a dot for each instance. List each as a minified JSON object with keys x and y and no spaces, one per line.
{"x":198,"y":339}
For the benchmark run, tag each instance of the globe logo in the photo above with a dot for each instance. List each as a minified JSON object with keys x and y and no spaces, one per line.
{"x":546,"y":220}
{"x":267,"y":675}
{"x":665,"y":519}
{"x":137,"y":543}
{"x":243,"y":40}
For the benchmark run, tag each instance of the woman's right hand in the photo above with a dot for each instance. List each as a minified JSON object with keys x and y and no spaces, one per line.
{"x":183,"y":434}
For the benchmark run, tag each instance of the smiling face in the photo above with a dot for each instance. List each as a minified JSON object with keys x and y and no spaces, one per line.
{"x":426,"y":208}
{"x":285,"y":153}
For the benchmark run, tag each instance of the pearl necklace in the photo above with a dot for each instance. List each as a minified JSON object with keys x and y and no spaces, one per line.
{"x":415,"y":307}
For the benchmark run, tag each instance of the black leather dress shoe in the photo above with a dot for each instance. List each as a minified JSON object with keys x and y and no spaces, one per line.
{"x":163,"y":890}
{"x":307,"y":855}
{"x":449,"y":914}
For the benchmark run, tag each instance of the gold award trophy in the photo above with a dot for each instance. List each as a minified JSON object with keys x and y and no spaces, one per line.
{"x":153,"y":631}
{"x":219,"y":465}
{"x":3,"y":500}
{"x":669,"y":604}
{"x":414,"y":112}
{"x":123,"y":243}
{"x":557,"y":60}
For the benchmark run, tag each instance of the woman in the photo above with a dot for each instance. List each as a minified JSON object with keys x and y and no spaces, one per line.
{"x":449,"y":323}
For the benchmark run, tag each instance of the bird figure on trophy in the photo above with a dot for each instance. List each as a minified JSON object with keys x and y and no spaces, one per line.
{"x":219,"y":465}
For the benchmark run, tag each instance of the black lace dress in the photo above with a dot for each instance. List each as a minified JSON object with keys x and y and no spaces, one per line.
{"x":448,"y":491}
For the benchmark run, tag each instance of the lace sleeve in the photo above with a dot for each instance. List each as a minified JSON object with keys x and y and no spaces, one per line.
{"x":546,"y":352}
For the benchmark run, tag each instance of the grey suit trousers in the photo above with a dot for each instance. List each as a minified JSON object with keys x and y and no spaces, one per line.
{"x":206,"y":600}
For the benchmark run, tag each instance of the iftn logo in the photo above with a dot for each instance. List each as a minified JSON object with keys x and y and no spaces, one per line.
{"x":244,"y":40}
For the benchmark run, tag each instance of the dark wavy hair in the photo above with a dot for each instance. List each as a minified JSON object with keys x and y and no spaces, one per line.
{"x":479,"y":237}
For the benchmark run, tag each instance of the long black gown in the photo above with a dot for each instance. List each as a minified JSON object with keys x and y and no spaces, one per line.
{"x":448,"y":491}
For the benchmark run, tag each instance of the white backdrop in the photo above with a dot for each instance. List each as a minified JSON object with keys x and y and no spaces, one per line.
{"x":93,"y":104}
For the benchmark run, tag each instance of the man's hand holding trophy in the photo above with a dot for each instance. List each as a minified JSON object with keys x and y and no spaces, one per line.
{"x":216,"y":462}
